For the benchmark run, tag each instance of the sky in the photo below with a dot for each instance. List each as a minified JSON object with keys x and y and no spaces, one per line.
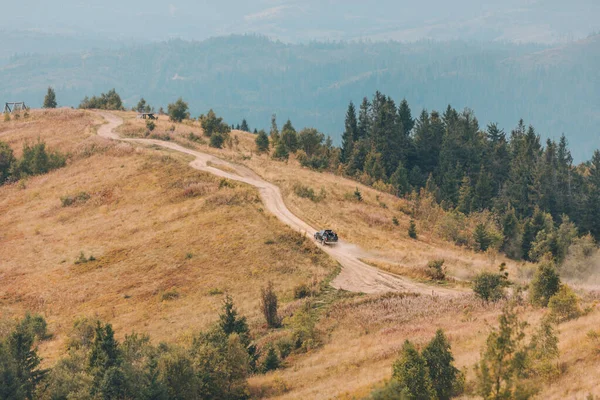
{"x":545,"y":21}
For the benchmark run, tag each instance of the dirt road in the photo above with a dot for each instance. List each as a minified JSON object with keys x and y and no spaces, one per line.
{"x":355,"y":275}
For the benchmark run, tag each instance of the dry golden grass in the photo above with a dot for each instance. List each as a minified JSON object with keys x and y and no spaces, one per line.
{"x":155,"y":226}
{"x":165,"y":237}
{"x":364,"y":334}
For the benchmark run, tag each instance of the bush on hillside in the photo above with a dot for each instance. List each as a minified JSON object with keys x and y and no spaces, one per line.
{"x":107,"y":101}
{"x":489,"y":286}
{"x":178,"y":111}
{"x":545,"y":284}
{"x":564,"y":305}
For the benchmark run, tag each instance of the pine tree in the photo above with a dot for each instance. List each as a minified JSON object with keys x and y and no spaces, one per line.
{"x":281,"y":152}
{"x":483,"y":191}
{"x":289,"y":137}
{"x":503,"y":362}
{"x":445,"y":377}
{"x":274,"y":131}
{"x":592,"y":206}
{"x":482,"y":238}
{"x":7,"y":162}
{"x":141,"y":106}
{"x":356,"y":163}
{"x":268,"y":306}
{"x":350,"y":132}
{"x":244,"y":127}
{"x":545,"y":284}
{"x":364,"y":120}
{"x":412,"y":373}
{"x":511,"y":233}
{"x":499,"y":157}
{"x":374,"y":166}
{"x":262,"y":142}
{"x":178,"y":111}
{"x":465,"y":196}
{"x":412,"y":229}
{"x":50,"y":99}
{"x":271,"y":362}
{"x":230,"y":323}
{"x":26,"y":361}
{"x":104,"y":355}
{"x":399,"y":180}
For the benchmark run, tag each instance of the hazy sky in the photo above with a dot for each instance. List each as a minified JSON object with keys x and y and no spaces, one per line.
{"x":302,"y":20}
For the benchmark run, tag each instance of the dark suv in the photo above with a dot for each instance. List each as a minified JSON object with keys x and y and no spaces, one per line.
{"x":326,"y":236}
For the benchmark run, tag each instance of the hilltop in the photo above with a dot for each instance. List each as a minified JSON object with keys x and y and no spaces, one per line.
{"x":168,"y":241}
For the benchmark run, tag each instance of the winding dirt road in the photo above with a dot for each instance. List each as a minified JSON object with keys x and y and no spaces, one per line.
{"x":355,"y":275}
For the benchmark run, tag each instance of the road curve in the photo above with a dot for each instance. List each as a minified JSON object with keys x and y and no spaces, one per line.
{"x":355,"y":275}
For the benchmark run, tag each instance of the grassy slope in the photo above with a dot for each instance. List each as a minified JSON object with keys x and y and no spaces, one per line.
{"x":140,"y":227}
{"x":142,"y":254}
{"x":364,"y":333}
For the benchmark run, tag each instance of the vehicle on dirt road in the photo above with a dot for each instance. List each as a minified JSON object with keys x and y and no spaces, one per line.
{"x":326,"y":236}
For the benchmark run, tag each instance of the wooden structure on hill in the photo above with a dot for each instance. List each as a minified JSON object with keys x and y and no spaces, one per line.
{"x":149,"y":115}
{"x":14,"y":107}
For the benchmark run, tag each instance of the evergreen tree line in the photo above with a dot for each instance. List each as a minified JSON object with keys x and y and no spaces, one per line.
{"x":36,"y":160}
{"x":97,"y":366}
{"x":531,"y":188}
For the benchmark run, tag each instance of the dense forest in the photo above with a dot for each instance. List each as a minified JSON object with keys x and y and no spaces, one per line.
{"x":253,"y":77}
{"x":539,"y":199}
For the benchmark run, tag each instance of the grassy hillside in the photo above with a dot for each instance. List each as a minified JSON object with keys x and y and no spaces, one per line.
{"x":168,"y":240}
{"x":163,"y":237}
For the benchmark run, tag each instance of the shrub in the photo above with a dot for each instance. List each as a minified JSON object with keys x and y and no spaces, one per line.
{"x":309,"y":193}
{"x":357,"y":195}
{"x":216,"y":140}
{"x":78,"y":198}
{"x":178,"y":111}
{"x":271,"y":361}
{"x":436,"y":270}
{"x":412,"y":229}
{"x":281,"y":152}
{"x":301,"y":291}
{"x":262,"y":142}
{"x":150,"y":125}
{"x":395,"y":221}
{"x":169,"y":295}
{"x":36,"y":324}
{"x":545,"y":284}
{"x":304,"y":333}
{"x":212,"y":124}
{"x":268,"y":305}
{"x":107,"y":101}
{"x":564,"y":305}
{"x":7,"y":162}
{"x":489,"y":286}
{"x":81,"y":259}
{"x":285,"y":345}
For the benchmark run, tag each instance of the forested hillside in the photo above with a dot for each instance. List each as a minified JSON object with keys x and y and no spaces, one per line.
{"x":252,"y":77}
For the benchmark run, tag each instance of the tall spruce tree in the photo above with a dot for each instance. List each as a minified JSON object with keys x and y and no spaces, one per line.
{"x":592,"y":205}
{"x":350,"y":133}
{"x":445,"y":377}
{"x":412,"y":373}
{"x":364,"y":120}
{"x":289,"y":137}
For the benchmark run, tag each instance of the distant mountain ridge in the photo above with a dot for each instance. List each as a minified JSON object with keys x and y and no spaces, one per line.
{"x":253,"y":77}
